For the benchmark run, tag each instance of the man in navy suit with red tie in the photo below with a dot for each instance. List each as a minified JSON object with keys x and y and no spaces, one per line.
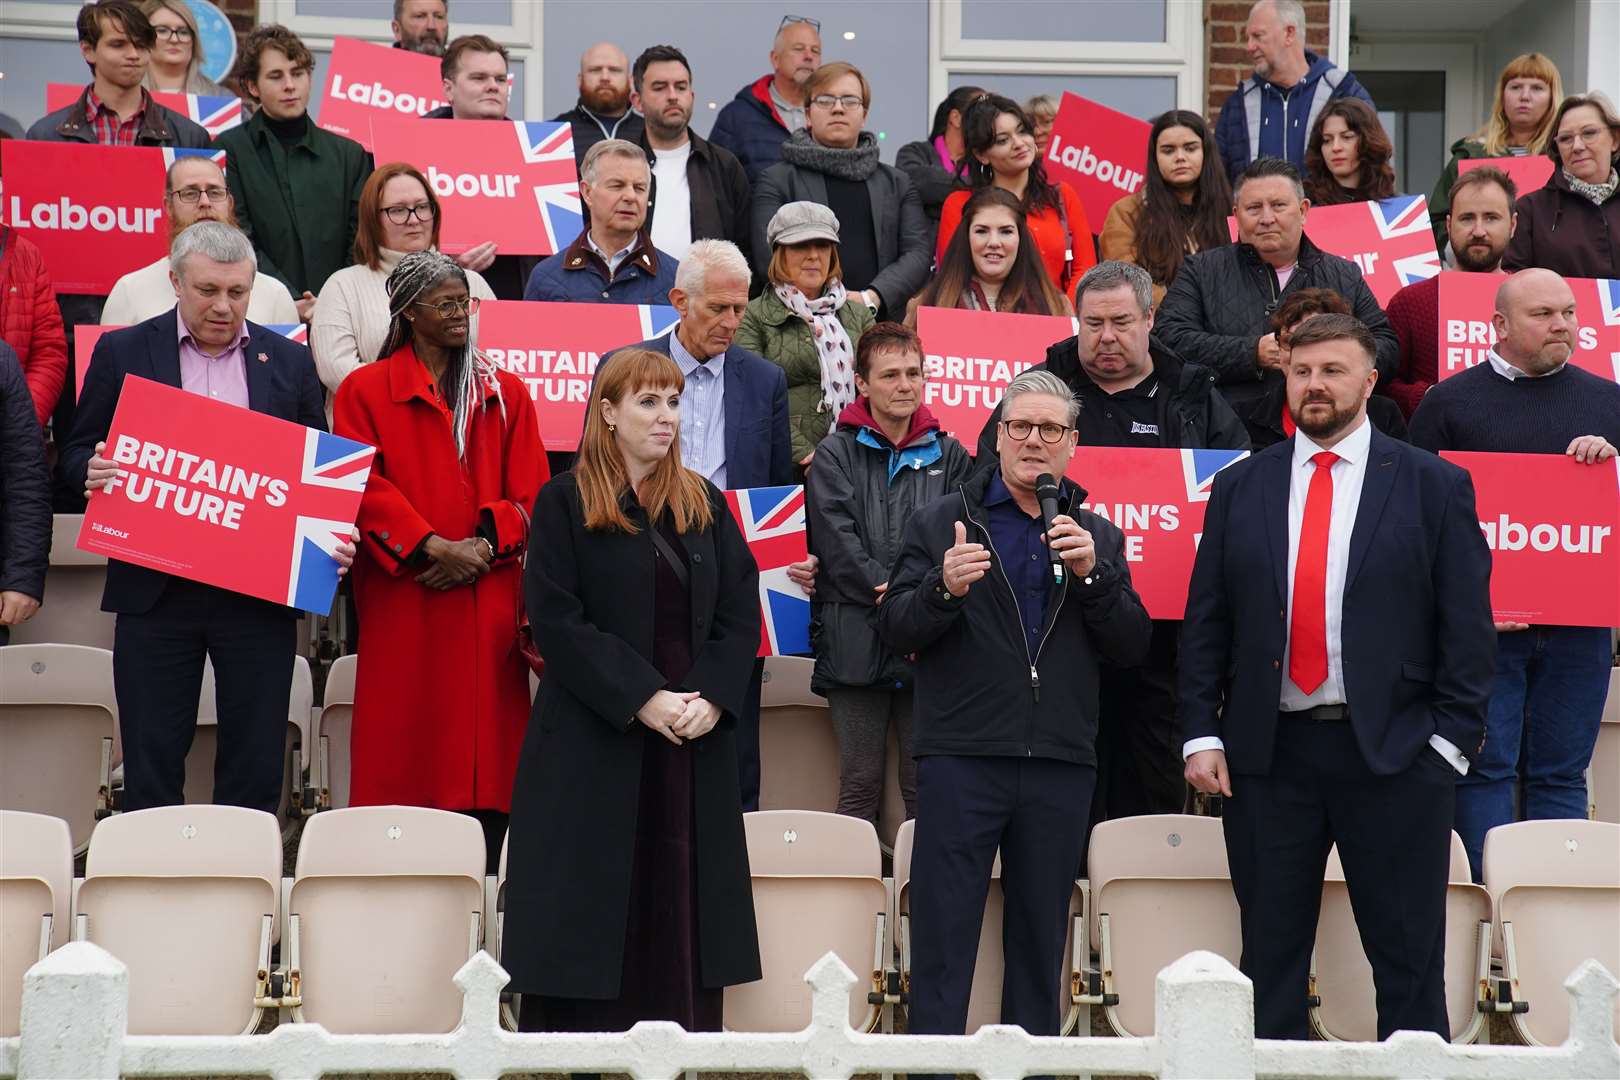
{"x":1336,"y":663}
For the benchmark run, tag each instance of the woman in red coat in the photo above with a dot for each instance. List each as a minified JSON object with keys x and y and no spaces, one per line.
{"x":442,"y":692}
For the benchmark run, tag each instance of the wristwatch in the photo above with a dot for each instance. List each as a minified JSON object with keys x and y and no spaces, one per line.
{"x":489,"y":548}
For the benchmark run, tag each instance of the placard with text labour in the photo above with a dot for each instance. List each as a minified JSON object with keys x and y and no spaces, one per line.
{"x":503,"y":180}
{"x":1467,"y":302}
{"x":94,"y":212}
{"x":226,"y":496}
{"x":1553,"y":527}
{"x":1156,"y":498}
{"x":555,"y":349}
{"x":1390,"y":240}
{"x":1099,"y":151}
{"x":366,"y":82}
{"x":969,"y":358}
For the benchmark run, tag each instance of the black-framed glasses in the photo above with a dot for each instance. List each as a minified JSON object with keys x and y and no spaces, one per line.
{"x":191,"y":196}
{"x":173,"y":33}
{"x":1020,"y":429}
{"x":789,"y":20}
{"x":449,"y":309}
{"x":827,"y":101}
{"x":399,"y":215}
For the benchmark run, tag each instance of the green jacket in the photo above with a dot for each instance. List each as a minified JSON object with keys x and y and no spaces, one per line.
{"x":1440,"y":201}
{"x":299,"y":205}
{"x":781,"y":337}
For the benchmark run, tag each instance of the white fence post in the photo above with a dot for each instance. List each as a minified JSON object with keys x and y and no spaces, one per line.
{"x":1203,"y":1019}
{"x":75,"y":1012}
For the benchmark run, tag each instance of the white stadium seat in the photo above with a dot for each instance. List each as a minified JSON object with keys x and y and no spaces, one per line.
{"x":36,"y":886}
{"x":58,"y":732}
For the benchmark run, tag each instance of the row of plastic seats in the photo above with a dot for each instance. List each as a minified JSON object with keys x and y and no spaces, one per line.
{"x":59,"y":735}
{"x":385,"y":905}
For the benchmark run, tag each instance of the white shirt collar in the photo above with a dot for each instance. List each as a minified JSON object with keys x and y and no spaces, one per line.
{"x":614,"y":259}
{"x":688,"y":363}
{"x":1352,"y":448}
{"x":1511,"y":373}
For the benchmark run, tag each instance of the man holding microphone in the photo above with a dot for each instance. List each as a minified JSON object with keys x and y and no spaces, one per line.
{"x":1009,"y":596}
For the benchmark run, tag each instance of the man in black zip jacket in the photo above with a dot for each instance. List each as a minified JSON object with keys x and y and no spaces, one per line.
{"x":1218,"y":309}
{"x":1135,"y":392}
{"x":1007,"y":653}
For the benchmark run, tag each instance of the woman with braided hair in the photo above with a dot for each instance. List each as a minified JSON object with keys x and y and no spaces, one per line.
{"x":442,"y":692}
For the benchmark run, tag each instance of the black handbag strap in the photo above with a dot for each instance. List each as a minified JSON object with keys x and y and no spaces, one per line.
{"x":677,"y":564}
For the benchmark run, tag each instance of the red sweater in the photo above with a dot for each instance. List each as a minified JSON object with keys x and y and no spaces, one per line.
{"x":1414,"y":315}
{"x":30,"y":321}
{"x":1046,"y":228}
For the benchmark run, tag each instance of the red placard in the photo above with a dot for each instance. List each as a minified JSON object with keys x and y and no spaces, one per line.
{"x":772,"y":522}
{"x":214,"y":114}
{"x":554,"y":348}
{"x":1529,"y":173}
{"x":1391,"y":240}
{"x":1466,"y":333}
{"x":503,"y":180}
{"x":1553,"y":526}
{"x":969,"y":358}
{"x":366,"y":82}
{"x":95,"y":212}
{"x":226,"y":496}
{"x":1100,"y":152}
{"x":1156,"y":498}
{"x":85,"y":336}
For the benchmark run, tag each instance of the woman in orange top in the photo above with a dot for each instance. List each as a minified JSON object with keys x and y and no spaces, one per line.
{"x":1001,"y":152}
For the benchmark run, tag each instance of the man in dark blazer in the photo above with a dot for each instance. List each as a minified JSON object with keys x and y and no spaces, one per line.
{"x":734,"y":418}
{"x":1336,"y":662}
{"x":166,"y":624}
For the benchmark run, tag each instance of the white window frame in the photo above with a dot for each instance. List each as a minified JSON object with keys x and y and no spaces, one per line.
{"x":519,"y":36}
{"x":1180,"y":56}
{"x":41,"y":22}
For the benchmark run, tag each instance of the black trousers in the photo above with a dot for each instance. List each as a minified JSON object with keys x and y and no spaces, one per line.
{"x":157,"y":676}
{"x":1034,"y":810}
{"x":1139,"y":766}
{"x":1394,"y":838}
{"x":748,"y":743}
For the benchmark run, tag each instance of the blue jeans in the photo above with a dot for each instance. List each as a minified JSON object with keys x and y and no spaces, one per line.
{"x":1548,"y":701}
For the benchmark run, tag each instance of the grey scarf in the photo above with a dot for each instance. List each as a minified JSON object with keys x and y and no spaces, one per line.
{"x":1597,"y":193}
{"x":857,"y":163}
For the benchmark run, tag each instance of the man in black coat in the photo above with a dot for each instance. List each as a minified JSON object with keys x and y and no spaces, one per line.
{"x":1135,"y":392}
{"x":25,"y":500}
{"x":1008,"y":643}
{"x":167,"y":624}
{"x":1218,"y":310}
{"x":603,"y":110}
{"x":705,"y":195}
{"x":1336,"y":662}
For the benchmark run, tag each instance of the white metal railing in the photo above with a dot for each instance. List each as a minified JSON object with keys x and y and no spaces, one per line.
{"x":75,"y":1005}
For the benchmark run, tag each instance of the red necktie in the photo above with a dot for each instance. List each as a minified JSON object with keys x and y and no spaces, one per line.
{"x":1307,"y":630}
{"x":1288,"y":422}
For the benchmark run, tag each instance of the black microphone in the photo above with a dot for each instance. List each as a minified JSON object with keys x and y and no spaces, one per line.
{"x":1046,"y":490}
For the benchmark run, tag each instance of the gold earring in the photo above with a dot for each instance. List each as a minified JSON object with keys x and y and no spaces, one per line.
{"x":611,"y":429}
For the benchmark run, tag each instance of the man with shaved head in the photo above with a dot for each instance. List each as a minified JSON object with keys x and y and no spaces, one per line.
{"x":603,"y":110}
{"x":1528,"y":399}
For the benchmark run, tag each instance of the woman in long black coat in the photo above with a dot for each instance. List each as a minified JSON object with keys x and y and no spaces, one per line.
{"x":628,"y":894}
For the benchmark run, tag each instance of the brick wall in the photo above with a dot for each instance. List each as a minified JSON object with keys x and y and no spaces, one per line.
{"x":242,"y":13}
{"x":1225,"y":62}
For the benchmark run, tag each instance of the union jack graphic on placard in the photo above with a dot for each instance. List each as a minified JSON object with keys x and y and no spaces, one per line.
{"x":1608,"y":290}
{"x":171,"y":153}
{"x":557,"y":196}
{"x":1198,"y":469}
{"x":298,"y":332}
{"x":335,"y":464}
{"x":657,"y":320}
{"x":1389,"y":240}
{"x":772,"y":522}
{"x":1403,"y":215}
{"x":215,"y":114}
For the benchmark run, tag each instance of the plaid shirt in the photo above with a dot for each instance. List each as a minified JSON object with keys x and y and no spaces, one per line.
{"x":111,"y":131}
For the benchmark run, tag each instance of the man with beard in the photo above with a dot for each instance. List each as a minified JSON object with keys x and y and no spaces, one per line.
{"x":421,"y":26}
{"x":699,"y":191}
{"x":1336,"y":663}
{"x":1479,"y":224}
{"x":603,"y":111}
{"x":756,"y":122}
{"x":194,"y":191}
{"x":1551,"y":681}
